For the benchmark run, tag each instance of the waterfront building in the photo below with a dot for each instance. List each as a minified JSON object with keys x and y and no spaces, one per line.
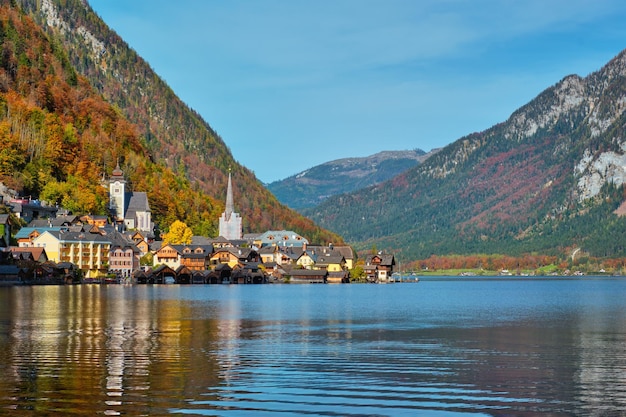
{"x":379,"y":267}
{"x":88,"y":251}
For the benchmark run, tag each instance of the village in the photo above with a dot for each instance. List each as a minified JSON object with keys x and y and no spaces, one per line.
{"x":56,"y":247}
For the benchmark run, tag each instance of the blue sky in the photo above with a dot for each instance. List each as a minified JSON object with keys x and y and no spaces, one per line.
{"x":290,"y":84}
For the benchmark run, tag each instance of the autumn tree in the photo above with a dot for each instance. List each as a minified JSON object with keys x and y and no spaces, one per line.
{"x":179,"y":233}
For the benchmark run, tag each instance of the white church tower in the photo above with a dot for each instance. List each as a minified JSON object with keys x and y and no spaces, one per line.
{"x":117,"y":193}
{"x":230,"y":222}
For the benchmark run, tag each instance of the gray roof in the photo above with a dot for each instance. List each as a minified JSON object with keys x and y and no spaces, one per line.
{"x":206,"y":248}
{"x":137,"y":202}
{"x":386,"y":259}
{"x":329,"y":259}
{"x":200,"y":240}
{"x":79,"y":236}
{"x":62,"y":220}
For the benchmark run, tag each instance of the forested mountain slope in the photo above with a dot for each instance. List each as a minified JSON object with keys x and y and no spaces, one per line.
{"x":546,"y":180}
{"x":168,"y":133}
{"x":311,"y":187}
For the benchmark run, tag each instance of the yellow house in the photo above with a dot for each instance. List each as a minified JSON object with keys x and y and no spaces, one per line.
{"x":167,"y":255}
{"x":229,"y":256}
{"x":233,"y":256}
{"x":345,"y":250}
{"x":347,"y":253}
{"x":305,"y":261}
{"x":50,"y":242}
{"x":333,"y":262}
{"x":140,"y":242}
{"x":88,"y":251}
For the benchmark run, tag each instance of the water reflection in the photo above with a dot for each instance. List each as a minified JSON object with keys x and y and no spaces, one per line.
{"x":436,"y":348}
{"x":103,"y":349}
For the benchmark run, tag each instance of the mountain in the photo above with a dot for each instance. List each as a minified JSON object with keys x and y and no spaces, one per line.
{"x":548,"y":180}
{"x":166,"y":148}
{"x":309,"y":188}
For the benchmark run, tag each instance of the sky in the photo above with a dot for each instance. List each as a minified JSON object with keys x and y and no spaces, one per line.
{"x":291,"y":84}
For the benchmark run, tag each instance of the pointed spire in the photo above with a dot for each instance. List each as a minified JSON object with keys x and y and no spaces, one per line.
{"x":230,"y":206}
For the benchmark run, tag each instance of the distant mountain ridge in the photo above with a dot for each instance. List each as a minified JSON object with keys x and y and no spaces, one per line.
{"x":312,"y":186}
{"x":548,"y":179}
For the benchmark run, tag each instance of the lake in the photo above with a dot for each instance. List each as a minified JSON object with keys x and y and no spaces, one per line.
{"x":441,"y":347}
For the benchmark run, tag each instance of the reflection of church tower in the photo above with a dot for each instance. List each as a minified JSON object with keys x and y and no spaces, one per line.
{"x":117,"y":193}
{"x":230,"y":222}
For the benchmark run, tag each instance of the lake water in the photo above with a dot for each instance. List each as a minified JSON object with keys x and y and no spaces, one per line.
{"x":446,"y":347}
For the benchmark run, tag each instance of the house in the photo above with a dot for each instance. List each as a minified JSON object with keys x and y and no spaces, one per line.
{"x":269,"y":254}
{"x":61,"y":220}
{"x":249,"y":273}
{"x":285,"y":255}
{"x":99,"y":221}
{"x":141,"y":241}
{"x":36,"y":254}
{"x":123,"y":256}
{"x":169,"y":255}
{"x":88,"y":251}
{"x":196,"y":257}
{"x":379,"y":267}
{"x":345,"y":251}
{"x":26,"y":235}
{"x":285,"y":238}
{"x":27,"y":209}
{"x":280,"y":255}
{"x":331,"y":262}
{"x":233,"y":256}
{"x":307,"y":259}
{"x":220,"y":242}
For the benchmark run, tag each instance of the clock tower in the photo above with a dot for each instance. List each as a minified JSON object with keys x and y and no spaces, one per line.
{"x":117,"y":194}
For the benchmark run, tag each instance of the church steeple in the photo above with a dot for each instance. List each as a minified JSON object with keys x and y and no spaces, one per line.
{"x":230,"y":205}
{"x":230,"y":222}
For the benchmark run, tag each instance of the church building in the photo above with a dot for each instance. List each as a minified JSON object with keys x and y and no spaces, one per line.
{"x":230,"y":222}
{"x":130,"y":208}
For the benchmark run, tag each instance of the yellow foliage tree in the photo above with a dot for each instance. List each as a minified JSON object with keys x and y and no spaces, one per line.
{"x":178,"y":234}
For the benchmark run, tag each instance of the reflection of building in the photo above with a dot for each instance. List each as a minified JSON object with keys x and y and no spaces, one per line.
{"x":230,"y":222}
{"x":128,"y":207}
